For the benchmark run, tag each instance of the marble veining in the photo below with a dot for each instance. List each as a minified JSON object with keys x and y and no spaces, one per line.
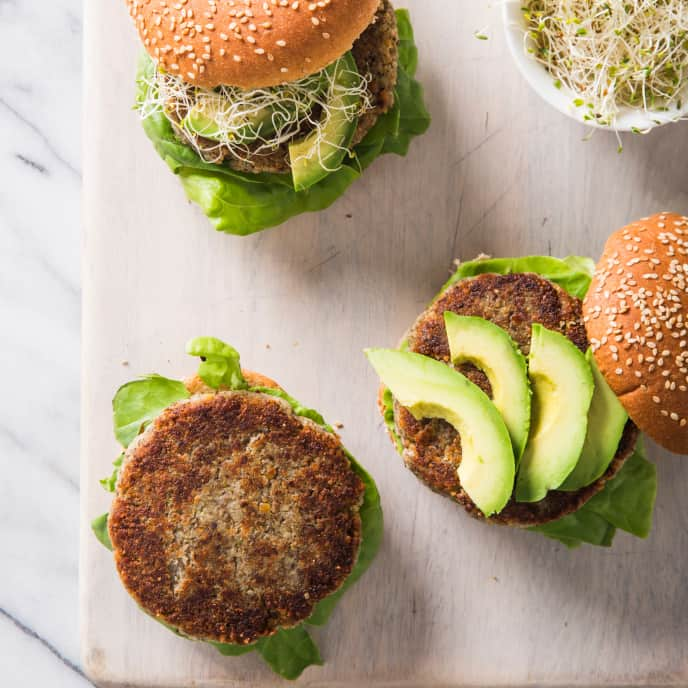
{"x":40,"y":180}
{"x":502,"y":191}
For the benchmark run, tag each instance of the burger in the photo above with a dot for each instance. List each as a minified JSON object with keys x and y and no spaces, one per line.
{"x":238,"y":517}
{"x":522,"y":391}
{"x":266,"y":109}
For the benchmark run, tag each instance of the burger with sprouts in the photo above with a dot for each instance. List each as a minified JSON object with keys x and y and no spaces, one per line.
{"x":270,"y":108}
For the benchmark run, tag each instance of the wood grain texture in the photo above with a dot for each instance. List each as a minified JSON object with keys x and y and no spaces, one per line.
{"x":449,"y":601}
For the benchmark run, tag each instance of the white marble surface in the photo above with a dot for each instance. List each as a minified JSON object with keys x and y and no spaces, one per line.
{"x":40,"y":179}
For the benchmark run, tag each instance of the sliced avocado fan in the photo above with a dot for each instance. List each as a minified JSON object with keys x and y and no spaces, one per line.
{"x":490,"y":348}
{"x":562,"y":392}
{"x":431,"y":389}
{"x":323,"y":151}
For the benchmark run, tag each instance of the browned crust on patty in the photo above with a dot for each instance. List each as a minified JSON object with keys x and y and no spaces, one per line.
{"x":432,"y":448}
{"x":233,"y":517}
{"x":376,"y":54}
{"x":514,"y":302}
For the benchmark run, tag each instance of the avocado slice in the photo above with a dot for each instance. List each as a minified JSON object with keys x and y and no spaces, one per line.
{"x":323,"y":151}
{"x":490,"y":348}
{"x":431,"y":389}
{"x":202,"y":118}
{"x":606,"y":422}
{"x":562,"y":391}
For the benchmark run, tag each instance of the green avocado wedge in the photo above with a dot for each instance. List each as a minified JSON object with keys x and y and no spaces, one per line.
{"x":606,"y":422}
{"x":562,"y":392}
{"x":202,"y":120}
{"x":431,"y":389}
{"x":323,"y":151}
{"x":490,"y":348}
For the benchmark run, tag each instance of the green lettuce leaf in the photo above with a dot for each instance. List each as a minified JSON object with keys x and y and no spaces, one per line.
{"x":137,"y":403}
{"x":289,"y":652}
{"x":110,"y":483}
{"x":231,"y":650}
{"x":100,"y":530}
{"x":388,"y":416}
{"x":292,"y":650}
{"x":220,"y":366}
{"x":408,"y":52}
{"x":627,"y":503}
{"x":240,"y":203}
{"x":582,"y":526}
{"x":573,"y":274}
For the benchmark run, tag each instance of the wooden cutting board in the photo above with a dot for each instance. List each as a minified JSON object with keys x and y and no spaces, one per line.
{"x":449,"y":601}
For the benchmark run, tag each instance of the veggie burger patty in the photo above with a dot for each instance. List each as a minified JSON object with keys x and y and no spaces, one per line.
{"x":432,"y":447}
{"x":233,"y":516}
{"x":377,"y":57}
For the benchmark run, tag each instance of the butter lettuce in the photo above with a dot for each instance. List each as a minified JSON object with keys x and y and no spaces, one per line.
{"x":100,"y":530}
{"x":220,"y":366}
{"x":627,"y":501}
{"x":110,"y":482}
{"x":290,"y":651}
{"x":240,"y":203}
{"x":137,"y":403}
{"x":573,"y":274}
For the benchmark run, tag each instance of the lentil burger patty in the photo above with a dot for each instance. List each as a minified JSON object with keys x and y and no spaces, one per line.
{"x":377,"y":57}
{"x":432,"y":448}
{"x":233,"y":516}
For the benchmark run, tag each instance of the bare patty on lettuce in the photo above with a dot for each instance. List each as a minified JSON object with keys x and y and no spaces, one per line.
{"x":234,"y":517}
{"x":238,"y":519}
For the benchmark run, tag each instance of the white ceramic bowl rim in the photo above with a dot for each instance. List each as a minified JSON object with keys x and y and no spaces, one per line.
{"x":629,"y":119}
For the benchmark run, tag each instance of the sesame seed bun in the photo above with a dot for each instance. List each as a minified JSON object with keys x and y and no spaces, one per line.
{"x":248,"y":43}
{"x":636,"y":315}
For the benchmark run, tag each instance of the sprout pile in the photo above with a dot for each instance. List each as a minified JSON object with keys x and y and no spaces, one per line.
{"x":613,"y":54}
{"x":251,"y":123}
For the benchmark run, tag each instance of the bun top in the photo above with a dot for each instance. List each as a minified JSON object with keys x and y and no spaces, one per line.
{"x":636,"y":315}
{"x":248,"y":43}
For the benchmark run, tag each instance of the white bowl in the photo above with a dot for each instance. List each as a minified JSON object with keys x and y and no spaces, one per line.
{"x":629,"y":119}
